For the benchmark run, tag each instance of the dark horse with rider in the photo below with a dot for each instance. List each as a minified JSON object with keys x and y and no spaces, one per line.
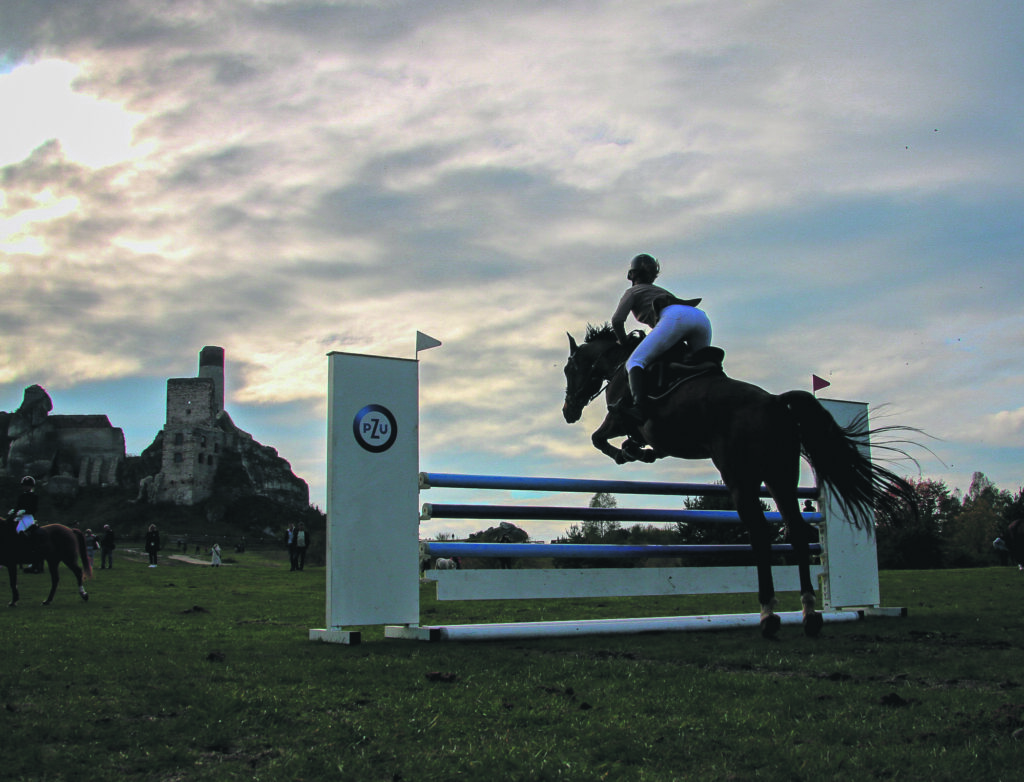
{"x":668,"y":395}
{"x":23,"y":541}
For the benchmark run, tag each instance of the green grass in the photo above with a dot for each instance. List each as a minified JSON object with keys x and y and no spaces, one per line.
{"x":193,"y":673}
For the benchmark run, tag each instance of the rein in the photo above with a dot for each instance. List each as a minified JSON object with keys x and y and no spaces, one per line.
{"x":607,"y":377}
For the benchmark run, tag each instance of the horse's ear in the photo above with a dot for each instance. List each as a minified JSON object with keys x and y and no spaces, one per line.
{"x":572,"y":343}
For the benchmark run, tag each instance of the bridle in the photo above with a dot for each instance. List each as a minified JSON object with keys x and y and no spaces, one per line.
{"x":595,"y":370}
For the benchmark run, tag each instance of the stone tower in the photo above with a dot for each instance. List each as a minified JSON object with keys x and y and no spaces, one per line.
{"x":193,"y":442}
{"x":211,"y":365}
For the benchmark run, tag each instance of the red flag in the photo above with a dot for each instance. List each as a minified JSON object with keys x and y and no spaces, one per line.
{"x":818,"y":383}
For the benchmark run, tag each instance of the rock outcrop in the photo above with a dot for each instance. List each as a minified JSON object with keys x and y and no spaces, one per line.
{"x":66,"y":450}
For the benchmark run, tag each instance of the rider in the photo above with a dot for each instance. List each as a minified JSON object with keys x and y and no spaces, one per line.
{"x":671,"y":319}
{"x":26,"y":507}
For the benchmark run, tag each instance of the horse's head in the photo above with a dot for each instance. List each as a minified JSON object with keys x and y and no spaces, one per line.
{"x":586,"y":370}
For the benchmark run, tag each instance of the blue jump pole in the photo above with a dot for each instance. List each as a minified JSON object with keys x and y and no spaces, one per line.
{"x":534,"y":513}
{"x":442,"y":548}
{"x":443,"y":480}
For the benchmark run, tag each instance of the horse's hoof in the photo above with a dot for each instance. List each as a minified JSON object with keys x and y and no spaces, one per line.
{"x":47,"y":602}
{"x":13,"y":604}
{"x":813,"y":624}
{"x":85,"y":596}
{"x":770,"y":626}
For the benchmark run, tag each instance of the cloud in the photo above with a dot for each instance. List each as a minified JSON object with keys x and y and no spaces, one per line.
{"x":841,"y":184}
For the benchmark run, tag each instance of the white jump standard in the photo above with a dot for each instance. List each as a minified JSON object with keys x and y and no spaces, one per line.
{"x":373,"y":518}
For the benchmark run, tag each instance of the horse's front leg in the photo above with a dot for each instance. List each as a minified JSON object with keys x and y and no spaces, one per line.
{"x":608,"y":429}
{"x":637,"y":451}
{"x":54,"y":579}
{"x":12,"y":573}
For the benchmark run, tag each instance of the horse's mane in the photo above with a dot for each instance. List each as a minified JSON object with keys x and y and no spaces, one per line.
{"x":597,"y":333}
{"x":605,"y":333}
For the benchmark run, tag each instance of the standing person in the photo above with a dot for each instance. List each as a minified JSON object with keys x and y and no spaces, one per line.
{"x":301,"y":544}
{"x":152,"y":544}
{"x":25,"y":509}
{"x":293,"y":554}
{"x":107,"y":545}
{"x":505,"y":563}
{"x":91,"y":544}
{"x":215,"y":555}
{"x":672,"y":320}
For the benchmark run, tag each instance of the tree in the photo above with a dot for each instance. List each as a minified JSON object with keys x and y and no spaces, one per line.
{"x":1014,"y":509}
{"x":909,"y":540}
{"x":715,"y":532}
{"x":600,"y":530}
{"x":981,"y":520}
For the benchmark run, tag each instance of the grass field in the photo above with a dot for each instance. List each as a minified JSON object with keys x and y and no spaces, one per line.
{"x":186,"y":672}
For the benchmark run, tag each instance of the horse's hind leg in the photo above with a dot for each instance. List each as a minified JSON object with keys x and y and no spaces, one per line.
{"x":800,"y":538}
{"x":79,"y":575}
{"x":748,"y":505}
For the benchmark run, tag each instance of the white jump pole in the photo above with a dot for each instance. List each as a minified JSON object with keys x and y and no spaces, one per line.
{"x":653,"y":624}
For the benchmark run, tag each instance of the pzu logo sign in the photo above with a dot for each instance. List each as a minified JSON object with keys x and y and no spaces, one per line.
{"x":375,"y":428}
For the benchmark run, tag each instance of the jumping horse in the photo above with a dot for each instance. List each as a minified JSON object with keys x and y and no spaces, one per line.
{"x":59,"y":544}
{"x":751,"y":436}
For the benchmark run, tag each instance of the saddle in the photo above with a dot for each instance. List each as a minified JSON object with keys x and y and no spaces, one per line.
{"x":673,"y":369}
{"x":26,"y":549}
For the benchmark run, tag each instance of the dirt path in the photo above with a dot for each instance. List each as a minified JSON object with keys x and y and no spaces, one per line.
{"x":189,"y":560}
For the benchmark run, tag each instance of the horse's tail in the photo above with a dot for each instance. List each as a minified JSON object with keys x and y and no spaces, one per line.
{"x":83,"y":553}
{"x":837,"y":455}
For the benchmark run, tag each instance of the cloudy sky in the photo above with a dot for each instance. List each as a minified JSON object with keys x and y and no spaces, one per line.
{"x":843,"y":184}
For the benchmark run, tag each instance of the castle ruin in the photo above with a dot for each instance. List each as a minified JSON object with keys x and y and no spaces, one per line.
{"x":199,"y":437}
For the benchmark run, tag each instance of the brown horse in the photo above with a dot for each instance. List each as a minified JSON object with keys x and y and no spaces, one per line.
{"x":59,"y":544}
{"x":752,"y":437}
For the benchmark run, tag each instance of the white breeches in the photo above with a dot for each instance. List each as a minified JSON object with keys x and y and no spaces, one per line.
{"x":676,"y":322}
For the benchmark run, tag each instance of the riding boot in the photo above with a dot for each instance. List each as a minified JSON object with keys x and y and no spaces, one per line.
{"x":638,"y":390}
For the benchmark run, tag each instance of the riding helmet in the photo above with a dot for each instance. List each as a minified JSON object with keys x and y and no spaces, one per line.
{"x":28,"y":481}
{"x":643,"y":268}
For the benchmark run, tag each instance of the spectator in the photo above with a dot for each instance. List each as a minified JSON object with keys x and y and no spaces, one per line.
{"x":301,"y":545}
{"x":289,"y":539}
{"x":152,"y":544}
{"x":107,"y":545}
{"x":505,"y":563}
{"x":91,"y":544}
{"x":215,"y":555}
